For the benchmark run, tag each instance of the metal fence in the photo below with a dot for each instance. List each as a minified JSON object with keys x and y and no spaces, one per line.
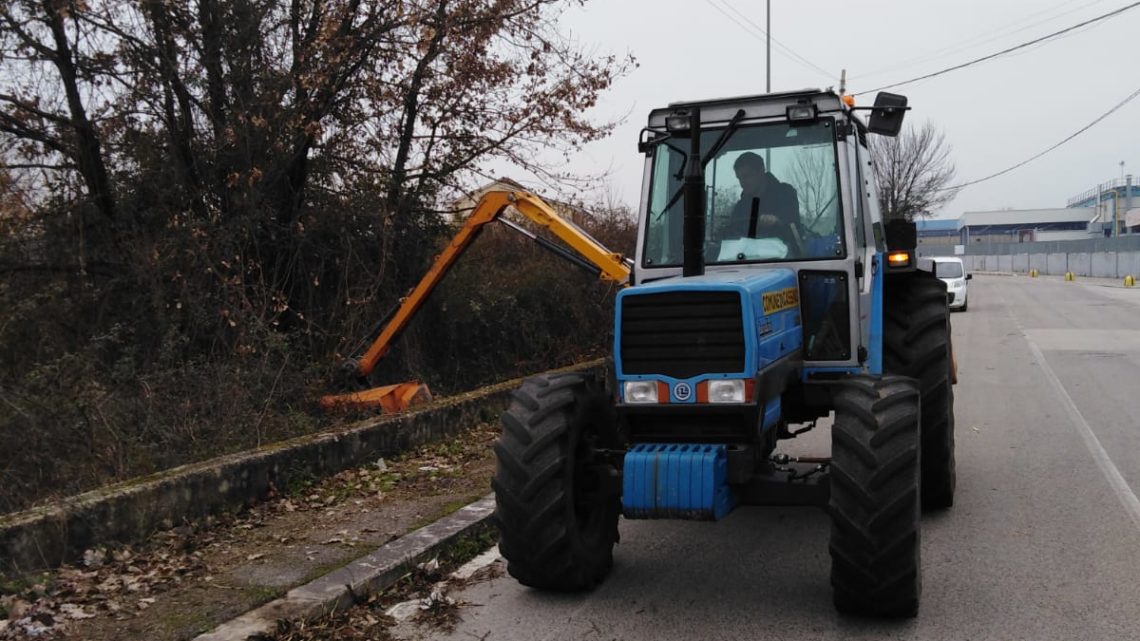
{"x":1095,"y":257}
{"x":935,"y":250}
{"x":1120,"y":243}
{"x":1091,"y":245}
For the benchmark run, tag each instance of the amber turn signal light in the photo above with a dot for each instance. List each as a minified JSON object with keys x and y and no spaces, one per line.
{"x":898,"y":259}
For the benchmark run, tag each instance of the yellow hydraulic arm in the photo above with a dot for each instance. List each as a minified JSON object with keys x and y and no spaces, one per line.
{"x":611,"y":267}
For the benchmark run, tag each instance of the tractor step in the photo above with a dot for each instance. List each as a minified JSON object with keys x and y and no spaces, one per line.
{"x":676,"y":481}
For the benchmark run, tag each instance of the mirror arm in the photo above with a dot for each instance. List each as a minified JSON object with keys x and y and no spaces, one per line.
{"x":644,"y":145}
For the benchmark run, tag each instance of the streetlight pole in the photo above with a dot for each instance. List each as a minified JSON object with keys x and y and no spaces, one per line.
{"x":768,"y":56}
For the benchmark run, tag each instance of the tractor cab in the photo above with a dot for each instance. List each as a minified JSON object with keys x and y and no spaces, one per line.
{"x":785,"y":185}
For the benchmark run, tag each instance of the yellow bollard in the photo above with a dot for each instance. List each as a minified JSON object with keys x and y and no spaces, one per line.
{"x":1129,"y":281}
{"x":1033,"y":273}
{"x":1069,"y":276}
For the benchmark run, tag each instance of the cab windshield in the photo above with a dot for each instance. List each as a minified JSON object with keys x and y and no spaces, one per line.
{"x":948,"y":269}
{"x":771,"y":195}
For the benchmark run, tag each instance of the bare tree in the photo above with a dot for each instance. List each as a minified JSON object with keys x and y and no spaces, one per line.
{"x":38,"y":46}
{"x":913,"y":172}
{"x":813,"y":176}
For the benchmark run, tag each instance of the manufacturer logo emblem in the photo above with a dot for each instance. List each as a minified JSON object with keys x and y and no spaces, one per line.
{"x":682,"y":391}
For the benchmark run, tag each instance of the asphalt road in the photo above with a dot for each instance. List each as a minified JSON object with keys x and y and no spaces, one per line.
{"x":1042,"y":544}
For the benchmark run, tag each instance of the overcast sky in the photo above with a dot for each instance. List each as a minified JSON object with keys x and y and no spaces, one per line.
{"x":994,"y":114}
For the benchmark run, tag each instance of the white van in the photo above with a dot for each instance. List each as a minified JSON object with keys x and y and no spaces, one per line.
{"x":953,"y":273}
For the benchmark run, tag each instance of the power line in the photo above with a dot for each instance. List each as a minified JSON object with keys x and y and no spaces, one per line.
{"x":984,"y":37}
{"x":786,"y":48}
{"x":1003,"y":52}
{"x":788,"y":53}
{"x":783,"y":49}
{"x":1032,"y":158}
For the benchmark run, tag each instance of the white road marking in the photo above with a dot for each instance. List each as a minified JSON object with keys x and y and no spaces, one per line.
{"x":1085,"y":340}
{"x":1107,"y":467}
{"x":407,"y":609}
{"x":468,"y":569}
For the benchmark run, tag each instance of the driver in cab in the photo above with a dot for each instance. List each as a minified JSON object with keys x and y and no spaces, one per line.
{"x":767,"y":207}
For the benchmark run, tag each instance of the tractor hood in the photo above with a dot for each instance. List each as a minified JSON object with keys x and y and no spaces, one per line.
{"x":725,"y":324}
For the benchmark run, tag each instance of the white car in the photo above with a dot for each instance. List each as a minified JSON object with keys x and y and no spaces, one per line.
{"x":953,"y":273}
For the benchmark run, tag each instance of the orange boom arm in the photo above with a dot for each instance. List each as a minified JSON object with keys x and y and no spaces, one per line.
{"x":611,"y":267}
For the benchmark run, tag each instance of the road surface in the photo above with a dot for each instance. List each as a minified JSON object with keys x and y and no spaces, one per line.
{"x":1043,"y":542}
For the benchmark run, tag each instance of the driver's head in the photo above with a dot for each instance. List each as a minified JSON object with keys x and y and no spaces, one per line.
{"x":749,"y":169}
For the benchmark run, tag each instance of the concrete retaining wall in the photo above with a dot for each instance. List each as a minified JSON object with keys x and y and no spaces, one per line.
{"x":1099,"y":264}
{"x":1097,"y":257}
{"x":1104,"y":265}
{"x":131,"y":511}
{"x":1080,"y":263}
{"x":1128,"y":263}
{"x":1056,"y":263}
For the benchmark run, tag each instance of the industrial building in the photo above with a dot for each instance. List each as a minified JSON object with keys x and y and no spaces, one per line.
{"x":1105,"y":210}
{"x":937,"y":232}
{"x":1112,"y":202}
{"x":1026,"y":225}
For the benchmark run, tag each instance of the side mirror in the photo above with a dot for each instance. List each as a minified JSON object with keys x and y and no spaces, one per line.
{"x":887,"y":114}
{"x":969,"y":276}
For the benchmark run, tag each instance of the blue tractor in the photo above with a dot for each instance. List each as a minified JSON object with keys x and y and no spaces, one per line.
{"x":767,"y":294}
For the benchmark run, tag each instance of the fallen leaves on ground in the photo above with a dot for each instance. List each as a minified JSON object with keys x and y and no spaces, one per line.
{"x":115,"y":583}
{"x":124,"y":582}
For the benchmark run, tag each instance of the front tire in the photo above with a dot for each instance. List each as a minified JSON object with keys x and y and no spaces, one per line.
{"x":557,"y":518}
{"x":874,"y":503}
{"x":916,"y":343}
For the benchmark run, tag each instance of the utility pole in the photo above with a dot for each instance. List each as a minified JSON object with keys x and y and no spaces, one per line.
{"x":768,"y":28}
{"x":768,"y":64}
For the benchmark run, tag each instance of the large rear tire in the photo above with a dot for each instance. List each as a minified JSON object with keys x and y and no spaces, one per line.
{"x":556,"y":513}
{"x":916,"y":343}
{"x":874,"y":504}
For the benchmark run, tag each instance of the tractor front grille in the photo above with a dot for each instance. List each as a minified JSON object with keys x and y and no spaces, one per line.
{"x":682,"y":334}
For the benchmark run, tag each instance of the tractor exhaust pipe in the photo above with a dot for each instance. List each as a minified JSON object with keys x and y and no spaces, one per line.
{"x":693,"y":238}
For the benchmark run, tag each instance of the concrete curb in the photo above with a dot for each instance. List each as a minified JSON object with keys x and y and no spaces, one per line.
{"x":1088,"y":281}
{"x":367,"y":575}
{"x":133,"y":510}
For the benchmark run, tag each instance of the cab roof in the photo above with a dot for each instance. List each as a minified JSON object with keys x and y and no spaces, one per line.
{"x":772,"y":105}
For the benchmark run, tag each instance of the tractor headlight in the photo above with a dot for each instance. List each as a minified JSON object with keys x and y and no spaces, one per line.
{"x":641,"y":391}
{"x":726,"y":391}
